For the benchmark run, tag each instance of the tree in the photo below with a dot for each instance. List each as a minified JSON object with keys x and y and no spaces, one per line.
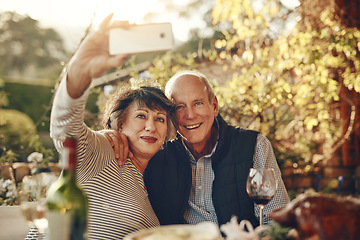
{"x":3,"y":96}
{"x":18,"y":140}
{"x":283,"y":83}
{"x":18,"y":133}
{"x":287,"y":85}
{"x":25,"y":45}
{"x":27,"y":51}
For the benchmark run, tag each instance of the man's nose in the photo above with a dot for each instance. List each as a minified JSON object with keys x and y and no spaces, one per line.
{"x":189,"y":112}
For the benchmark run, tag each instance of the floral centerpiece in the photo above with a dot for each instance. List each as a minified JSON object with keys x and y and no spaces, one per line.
{"x":245,"y":231}
{"x":37,"y":162}
{"x":8,"y":192}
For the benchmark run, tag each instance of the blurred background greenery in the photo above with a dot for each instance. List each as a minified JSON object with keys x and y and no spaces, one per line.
{"x":289,"y":72}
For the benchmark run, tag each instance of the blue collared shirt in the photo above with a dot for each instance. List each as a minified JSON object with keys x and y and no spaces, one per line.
{"x":201,"y":207}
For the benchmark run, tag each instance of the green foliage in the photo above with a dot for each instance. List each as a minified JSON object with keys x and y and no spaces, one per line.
{"x":28,"y":50}
{"x":19,"y":138}
{"x":331,"y":187}
{"x":33,"y":100}
{"x":286,"y":86}
{"x":8,"y":156}
{"x":278,"y":232}
{"x":164,"y":67}
{"x":197,"y":43}
{"x":3,"y":95}
{"x":18,"y":134}
{"x":28,"y":53}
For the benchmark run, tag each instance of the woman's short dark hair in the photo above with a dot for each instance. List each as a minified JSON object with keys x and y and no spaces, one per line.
{"x":117,"y":106}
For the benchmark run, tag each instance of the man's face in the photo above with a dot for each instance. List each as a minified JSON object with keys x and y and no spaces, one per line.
{"x":195,"y":113}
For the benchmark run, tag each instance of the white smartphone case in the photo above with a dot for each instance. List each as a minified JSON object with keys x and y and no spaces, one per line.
{"x":141,"y":39}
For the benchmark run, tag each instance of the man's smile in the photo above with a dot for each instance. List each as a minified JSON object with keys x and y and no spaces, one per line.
{"x":191,"y":127}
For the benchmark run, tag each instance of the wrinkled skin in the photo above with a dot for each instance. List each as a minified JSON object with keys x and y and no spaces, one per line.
{"x":321,"y":217}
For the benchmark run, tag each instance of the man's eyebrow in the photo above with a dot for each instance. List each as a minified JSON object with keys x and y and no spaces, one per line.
{"x":198,"y":99}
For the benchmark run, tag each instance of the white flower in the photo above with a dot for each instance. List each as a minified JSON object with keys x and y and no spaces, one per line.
{"x":35,"y":157}
{"x":11,"y":194}
{"x":7,"y":182}
{"x":10,"y":186}
{"x":108,"y":89}
{"x":7,"y":187}
{"x":2,"y":186}
{"x":235,"y":231}
{"x":8,"y":192}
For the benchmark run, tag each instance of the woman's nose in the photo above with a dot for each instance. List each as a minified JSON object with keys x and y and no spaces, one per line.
{"x":150,"y":125}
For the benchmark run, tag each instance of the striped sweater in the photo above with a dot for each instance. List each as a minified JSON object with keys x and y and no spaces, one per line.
{"x":118,"y":200}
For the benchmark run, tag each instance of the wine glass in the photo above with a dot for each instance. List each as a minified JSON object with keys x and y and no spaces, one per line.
{"x":28,"y":199}
{"x":261,"y":186}
{"x":33,"y":199}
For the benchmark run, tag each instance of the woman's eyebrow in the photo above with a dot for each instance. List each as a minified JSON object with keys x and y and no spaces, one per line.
{"x":142,"y":109}
{"x":147,"y":110}
{"x":161,"y":113}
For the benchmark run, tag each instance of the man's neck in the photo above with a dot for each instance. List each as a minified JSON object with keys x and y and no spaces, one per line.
{"x":204,"y":148}
{"x":199,"y":152}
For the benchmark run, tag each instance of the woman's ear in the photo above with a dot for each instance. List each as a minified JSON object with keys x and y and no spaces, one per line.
{"x":120,"y":126}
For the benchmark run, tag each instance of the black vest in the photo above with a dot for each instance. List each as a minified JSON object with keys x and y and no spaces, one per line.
{"x":168,"y":177}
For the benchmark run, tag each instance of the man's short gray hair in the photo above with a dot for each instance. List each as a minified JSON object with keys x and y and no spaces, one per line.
{"x":201,"y":76}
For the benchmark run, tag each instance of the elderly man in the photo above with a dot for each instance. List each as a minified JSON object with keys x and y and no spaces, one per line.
{"x":201,"y":175}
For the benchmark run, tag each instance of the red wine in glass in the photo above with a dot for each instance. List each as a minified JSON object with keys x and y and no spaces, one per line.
{"x":261,"y":186}
{"x":261,"y":200}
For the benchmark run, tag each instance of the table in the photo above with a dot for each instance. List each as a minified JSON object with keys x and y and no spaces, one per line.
{"x":12,"y":223}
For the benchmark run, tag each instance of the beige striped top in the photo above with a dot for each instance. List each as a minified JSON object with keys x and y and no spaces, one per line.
{"x":118,"y":200}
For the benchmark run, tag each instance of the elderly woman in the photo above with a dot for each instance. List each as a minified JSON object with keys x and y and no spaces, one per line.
{"x":118,"y":201}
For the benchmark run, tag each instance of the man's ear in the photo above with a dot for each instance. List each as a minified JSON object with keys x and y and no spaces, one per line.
{"x":215,"y":104}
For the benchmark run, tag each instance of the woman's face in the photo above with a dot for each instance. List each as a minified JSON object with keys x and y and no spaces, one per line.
{"x":146,"y":130}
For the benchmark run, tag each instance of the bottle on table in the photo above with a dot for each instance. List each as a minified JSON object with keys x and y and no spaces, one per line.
{"x":67,"y":202}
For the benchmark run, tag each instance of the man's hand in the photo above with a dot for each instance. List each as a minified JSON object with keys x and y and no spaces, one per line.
{"x":119,"y":142}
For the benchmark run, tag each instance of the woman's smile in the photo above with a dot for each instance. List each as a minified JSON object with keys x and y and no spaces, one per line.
{"x":149,"y":139}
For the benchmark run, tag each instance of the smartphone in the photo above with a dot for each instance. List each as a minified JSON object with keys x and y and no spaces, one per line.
{"x":141,"y":39}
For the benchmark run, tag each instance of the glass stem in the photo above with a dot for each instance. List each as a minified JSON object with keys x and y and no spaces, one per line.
{"x":261,"y":214}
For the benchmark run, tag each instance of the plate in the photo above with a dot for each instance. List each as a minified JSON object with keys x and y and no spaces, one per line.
{"x":201,"y":231}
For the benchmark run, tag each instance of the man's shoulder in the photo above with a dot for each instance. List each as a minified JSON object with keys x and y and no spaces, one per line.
{"x":234,"y":130}
{"x":173,"y":147}
{"x":242,"y":138}
{"x":242,"y":132}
